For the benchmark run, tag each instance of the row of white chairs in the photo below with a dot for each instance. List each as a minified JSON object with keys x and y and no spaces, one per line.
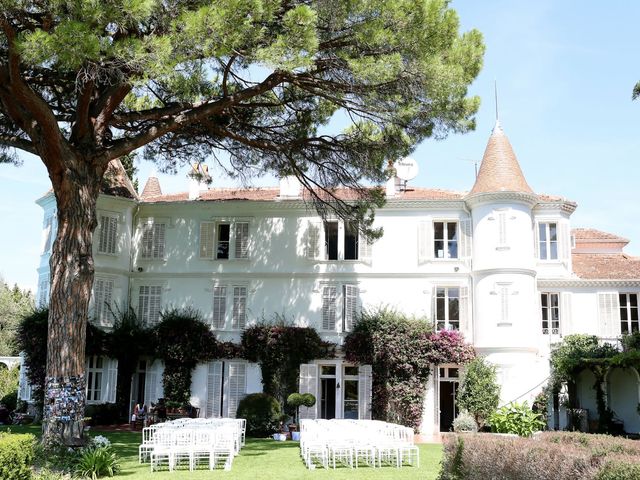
{"x":192,"y":441}
{"x":354,"y":443}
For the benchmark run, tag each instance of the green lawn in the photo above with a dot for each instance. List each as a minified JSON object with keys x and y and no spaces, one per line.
{"x":261,"y":459}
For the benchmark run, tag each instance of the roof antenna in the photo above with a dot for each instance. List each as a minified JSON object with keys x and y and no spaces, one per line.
{"x":495,"y":91}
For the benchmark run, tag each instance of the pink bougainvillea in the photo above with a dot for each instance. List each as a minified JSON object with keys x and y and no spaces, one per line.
{"x":401,"y":351}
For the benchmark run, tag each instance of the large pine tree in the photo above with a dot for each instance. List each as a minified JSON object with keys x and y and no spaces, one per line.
{"x":253,"y":83}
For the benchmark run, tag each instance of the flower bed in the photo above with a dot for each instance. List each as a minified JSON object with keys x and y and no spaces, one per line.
{"x":546,"y":456}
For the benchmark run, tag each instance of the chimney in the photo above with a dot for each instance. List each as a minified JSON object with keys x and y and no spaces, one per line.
{"x":394,"y":183}
{"x":290,"y":187}
{"x":199,"y":180}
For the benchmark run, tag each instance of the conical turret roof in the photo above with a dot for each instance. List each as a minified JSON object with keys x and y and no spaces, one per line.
{"x":500,"y":170}
{"x":152,"y":187}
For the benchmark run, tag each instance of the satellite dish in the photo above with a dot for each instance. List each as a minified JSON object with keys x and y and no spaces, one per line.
{"x":406,"y":169}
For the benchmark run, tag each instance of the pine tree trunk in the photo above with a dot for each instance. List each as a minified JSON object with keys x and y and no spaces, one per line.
{"x":72,"y":269}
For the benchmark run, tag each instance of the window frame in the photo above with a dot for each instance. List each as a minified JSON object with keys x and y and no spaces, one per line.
{"x":341,"y":241}
{"x":447,"y":321}
{"x":548,"y":308}
{"x":111,"y":217}
{"x":95,"y":373}
{"x":630,"y":324}
{"x":445,"y":239}
{"x":339,"y":301}
{"x":145,"y":316}
{"x":228,"y":312}
{"x":547,"y":242}
{"x":155,"y":230}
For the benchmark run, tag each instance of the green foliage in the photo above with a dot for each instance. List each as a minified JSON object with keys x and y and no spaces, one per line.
{"x":631,"y":342}
{"x":280,"y":349}
{"x":262,"y":413}
{"x":619,"y":471}
{"x":14,"y":304}
{"x":97,"y":462}
{"x":32,"y":341}
{"x":401,"y":351}
{"x":308,"y":400}
{"x":575,"y":353}
{"x":181,"y":340}
{"x":16,"y":456}
{"x":465,"y":422}
{"x":479,"y":391}
{"x":516,"y":418}
{"x":636,"y":91}
{"x":9,"y":379}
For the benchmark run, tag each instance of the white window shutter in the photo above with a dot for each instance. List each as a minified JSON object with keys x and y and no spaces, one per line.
{"x":465,"y":317}
{"x":309,"y":384}
{"x":609,"y":314}
{"x":237,"y":387}
{"x":365,"y":379}
{"x":536,"y":240}
{"x":350,"y":306}
{"x":219,"y":306}
{"x":242,"y":240}
{"x":502,"y":228}
{"x":329,"y":301}
{"x":239,"y":307}
{"x":565,"y":242}
{"x":312,"y":241}
{"x":565,"y":314}
{"x":466,"y":250}
{"x":110,"y":379}
{"x":214,"y":390}
{"x":207,"y":239}
{"x":147,"y":240}
{"x":365,"y":251}
{"x":158,"y":246}
{"x":425,"y":242}
{"x":153,"y":389}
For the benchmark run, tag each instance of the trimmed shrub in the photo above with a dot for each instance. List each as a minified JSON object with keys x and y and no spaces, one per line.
{"x":16,"y":456}
{"x":516,"y":418}
{"x":547,"y":456}
{"x":465,"y":422}
{"x":262,"y":413}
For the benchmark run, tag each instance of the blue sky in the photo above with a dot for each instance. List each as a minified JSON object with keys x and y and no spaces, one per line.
{"x":565,"y":71}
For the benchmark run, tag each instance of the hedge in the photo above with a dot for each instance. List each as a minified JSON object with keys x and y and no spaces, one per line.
{"x":546,"y":456}
{"x":16,"y":456}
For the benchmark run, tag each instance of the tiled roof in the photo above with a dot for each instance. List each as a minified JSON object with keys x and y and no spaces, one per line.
{"x":151,"y":188}
{"x":591,"y":234}
{"x":116,"y":182}
{"x":500,"y":170}
{"x":599,"y":266}
{"x":272,"y":194}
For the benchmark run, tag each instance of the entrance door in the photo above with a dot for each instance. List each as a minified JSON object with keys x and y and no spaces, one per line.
{"x":328,"y":384}
{"x":448,"y":384}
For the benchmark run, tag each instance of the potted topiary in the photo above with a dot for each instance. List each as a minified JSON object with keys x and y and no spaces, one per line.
{"x":295,"y":400}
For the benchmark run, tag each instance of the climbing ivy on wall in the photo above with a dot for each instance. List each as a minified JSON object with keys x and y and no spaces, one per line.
{"x":401,"y":351}
{"x":280,"y":348}
{"x":580,"y":352}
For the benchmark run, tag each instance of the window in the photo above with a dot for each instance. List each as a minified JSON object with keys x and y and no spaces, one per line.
{"x":445,"y":239}
{"x":221,"y":240}
{"x":329,"y":301}
{"x":49,"y":232}
{"x":628,"y":312}
{"x":43,"y":290}
{"x":550,"y":305}
{"x":334,"y":296}
{"x":107,"y":238}
{"x":239,"y":307}
{"x":331,"y":240}
{"x":447,"y":311}
{"x":149,"y":302}
{"x":153,"y":241}
{"x":94,"y":379}
{"x":103,"y":292}
{"x":238,"y":295}
{"x":548,"y":241}
{"x":219,"y":306}
{"x":342,"y":241}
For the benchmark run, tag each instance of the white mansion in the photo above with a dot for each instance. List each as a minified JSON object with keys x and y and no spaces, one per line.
{"x":500,"y":263}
